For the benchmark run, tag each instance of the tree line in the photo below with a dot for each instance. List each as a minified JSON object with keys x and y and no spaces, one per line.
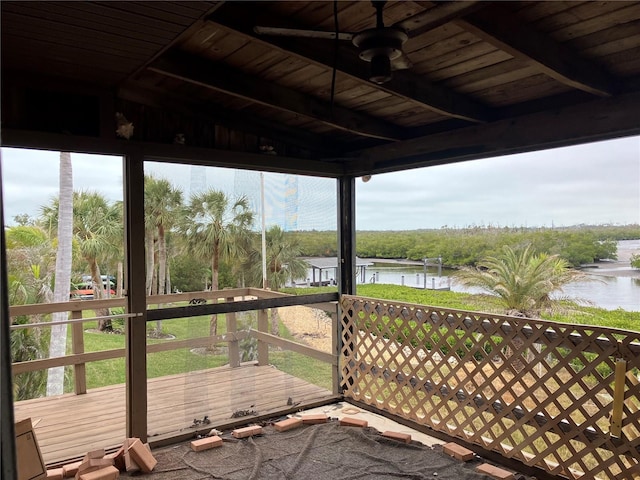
{"x":458,"y":247}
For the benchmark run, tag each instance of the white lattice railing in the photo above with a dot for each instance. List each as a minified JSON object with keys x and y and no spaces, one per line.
{"x":564,"y":398}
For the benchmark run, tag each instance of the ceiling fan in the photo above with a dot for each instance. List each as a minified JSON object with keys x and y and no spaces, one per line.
{"x":381,"y":46}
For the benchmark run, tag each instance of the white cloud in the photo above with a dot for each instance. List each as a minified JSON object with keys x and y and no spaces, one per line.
{"x":591,"y":183}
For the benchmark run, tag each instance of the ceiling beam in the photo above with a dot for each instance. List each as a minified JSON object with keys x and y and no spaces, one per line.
{"x":499,"y":26}
{"x":599,"y":119}
{"x":145,"y":94}
{"x":188,"y":155}
{"x":442,"y":12}
{"x":403,"y":83}
{"x":217,"y":76}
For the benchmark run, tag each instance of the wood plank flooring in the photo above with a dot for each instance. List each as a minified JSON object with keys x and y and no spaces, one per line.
{"x":70,"y":425}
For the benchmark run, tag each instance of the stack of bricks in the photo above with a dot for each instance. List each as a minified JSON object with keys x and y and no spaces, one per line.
{"x":132,"y":456}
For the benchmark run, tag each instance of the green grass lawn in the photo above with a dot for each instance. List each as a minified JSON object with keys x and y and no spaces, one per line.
{"x":109,"y":372}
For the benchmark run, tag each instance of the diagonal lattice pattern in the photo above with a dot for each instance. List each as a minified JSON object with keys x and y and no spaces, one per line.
{"x":538,"y":391}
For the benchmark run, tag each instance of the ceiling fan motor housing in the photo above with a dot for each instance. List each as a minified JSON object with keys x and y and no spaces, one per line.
{"x":380,"y":46}
{"x":380,"y":41}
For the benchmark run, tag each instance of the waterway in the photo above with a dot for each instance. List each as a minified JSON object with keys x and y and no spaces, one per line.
{"x":610,"y":285}
{"x":602,"y":291}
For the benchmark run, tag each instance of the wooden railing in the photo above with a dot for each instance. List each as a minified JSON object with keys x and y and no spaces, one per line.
{"x":228,"y":302}
{"x":563,"y":398}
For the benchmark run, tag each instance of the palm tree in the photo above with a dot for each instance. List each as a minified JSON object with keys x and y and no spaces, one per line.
{"x":30,"y":259}
{"x":522,"y":279}
{"x":163,"y":206}
{"x":64,"y":258}
{"x":97,"y":229}
{"x":283,"y":264}
{"x":216,"y":229}
{"x":26,"y":344}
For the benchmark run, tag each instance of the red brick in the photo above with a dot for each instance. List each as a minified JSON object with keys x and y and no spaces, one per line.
{"x":89,"y":465}
{"x":458,"y":451}
{"x":312,"y":419}
{"x":70,"y":469}
{"x":55,"y":474}
{"x":95,"y":454}
{"x":495,"y":472}
{"x":353,"y":422}
{"x":401,"y":437}
{"x":106,"y":473}
{"x":142,"y":456}
{"x":206,"y":443}
{"x":287,"y":424}
{"x":247,"y":431}
{"x":99,"y":462}
{"x":118,"y":458}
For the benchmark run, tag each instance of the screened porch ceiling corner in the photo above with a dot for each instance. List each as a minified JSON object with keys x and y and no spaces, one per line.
{"x":483,"y":78}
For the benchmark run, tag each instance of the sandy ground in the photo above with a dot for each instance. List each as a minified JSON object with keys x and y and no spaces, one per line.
{"x":308,"y":325}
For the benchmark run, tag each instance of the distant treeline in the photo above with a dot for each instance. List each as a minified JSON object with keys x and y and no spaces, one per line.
{"x":579,"y":245}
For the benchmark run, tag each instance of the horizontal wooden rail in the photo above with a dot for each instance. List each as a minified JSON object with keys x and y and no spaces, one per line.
{"x":207,"y":295}
{"x":295,"y":347}
{"x":73,"y":359}
{"x":238,"y":306}
{"x":73,"y":305}
{"x":196,"y":342}
{"x":77,"y":320}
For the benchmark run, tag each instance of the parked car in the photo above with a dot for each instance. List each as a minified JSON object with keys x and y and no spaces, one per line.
{"x":84,"y":290}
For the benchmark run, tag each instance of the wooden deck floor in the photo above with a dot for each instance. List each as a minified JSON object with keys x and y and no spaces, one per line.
{"x":70,"y":425}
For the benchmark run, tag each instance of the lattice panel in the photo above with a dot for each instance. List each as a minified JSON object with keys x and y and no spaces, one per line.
{"x":541,"y":392}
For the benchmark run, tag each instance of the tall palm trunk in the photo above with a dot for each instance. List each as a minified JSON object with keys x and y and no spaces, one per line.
{"x":58,"y":341}
{"x":162,"y":268}
{"x":103,"y":325}
{"x":162,"y":260}
{"x":215,"y":265}
{"x":119,"y":279}
{"x":148,"y":238}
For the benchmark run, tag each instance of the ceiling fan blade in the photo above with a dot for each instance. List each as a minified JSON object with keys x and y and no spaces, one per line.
{"x":294,"y":32}
{"x":401,"y":63}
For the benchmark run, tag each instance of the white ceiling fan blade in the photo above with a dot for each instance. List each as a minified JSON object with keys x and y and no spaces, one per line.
{"x":294,"y":32}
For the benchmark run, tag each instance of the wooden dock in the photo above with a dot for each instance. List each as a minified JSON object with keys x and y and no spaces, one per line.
{"x":69,"y":425}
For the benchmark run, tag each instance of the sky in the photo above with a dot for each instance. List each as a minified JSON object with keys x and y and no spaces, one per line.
{"x":596,"y":183}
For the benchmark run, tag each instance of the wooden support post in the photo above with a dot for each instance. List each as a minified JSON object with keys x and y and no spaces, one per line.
{"x":263,"y":347}
{"x":232,"y":327}
{"x":618,"y":398}
{"x":136,"y":331}
{"x":346,"y":257}
{"x":77,"y":339}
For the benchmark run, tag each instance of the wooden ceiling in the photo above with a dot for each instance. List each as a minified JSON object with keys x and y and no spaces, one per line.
{"x":486,"y":78}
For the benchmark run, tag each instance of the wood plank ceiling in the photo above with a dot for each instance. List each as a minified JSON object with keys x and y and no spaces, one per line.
{"x":485,"y":77}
